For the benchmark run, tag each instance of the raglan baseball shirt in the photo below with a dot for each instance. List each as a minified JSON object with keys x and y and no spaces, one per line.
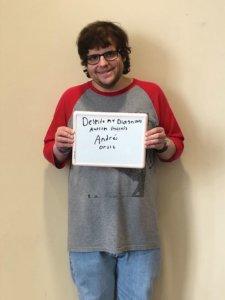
{"x":114,"y":209}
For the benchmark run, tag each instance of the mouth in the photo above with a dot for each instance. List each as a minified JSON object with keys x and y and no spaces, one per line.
{"x":105,"y":72}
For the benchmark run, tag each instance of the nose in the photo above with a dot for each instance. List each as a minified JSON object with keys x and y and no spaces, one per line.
{"x":102,"y":61}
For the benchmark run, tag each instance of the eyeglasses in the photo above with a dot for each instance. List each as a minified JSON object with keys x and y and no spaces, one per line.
{"x":95,"y":58}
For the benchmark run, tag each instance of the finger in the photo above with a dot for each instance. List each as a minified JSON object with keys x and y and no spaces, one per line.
{"x":62,"y":141}
{"x":156,"y":130}
{"x":155,"y":137}
{"x":64,"y":131}
{"x":65,"y":140}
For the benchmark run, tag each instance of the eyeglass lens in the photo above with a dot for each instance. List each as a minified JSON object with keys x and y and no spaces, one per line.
{"x":109,"y":55}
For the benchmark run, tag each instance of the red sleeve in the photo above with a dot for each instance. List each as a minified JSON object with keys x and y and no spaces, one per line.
{"x":166,"y":117}
{"x":61,"y":117}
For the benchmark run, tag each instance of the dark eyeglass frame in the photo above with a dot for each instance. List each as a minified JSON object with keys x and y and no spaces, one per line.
{"x":94,"y":59}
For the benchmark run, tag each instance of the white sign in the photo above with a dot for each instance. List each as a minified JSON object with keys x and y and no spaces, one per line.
{"x":109,"y":139}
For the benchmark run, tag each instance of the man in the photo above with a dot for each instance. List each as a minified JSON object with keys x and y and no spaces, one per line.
{"x":113,"y":238}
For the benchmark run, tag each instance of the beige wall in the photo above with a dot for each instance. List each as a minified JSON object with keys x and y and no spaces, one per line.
{"x":178,"y":44}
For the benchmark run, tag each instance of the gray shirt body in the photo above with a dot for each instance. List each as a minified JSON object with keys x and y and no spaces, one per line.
{"x":114,"y":209}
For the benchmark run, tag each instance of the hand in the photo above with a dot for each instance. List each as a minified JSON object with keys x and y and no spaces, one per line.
{"x":155,"y":138}
{"x":64,"y":137}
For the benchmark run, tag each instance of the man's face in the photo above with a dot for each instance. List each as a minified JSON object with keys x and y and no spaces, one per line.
{"x":106,"y":74}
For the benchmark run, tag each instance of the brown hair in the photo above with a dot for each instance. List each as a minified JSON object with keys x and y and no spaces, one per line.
{"x":101,"y":34}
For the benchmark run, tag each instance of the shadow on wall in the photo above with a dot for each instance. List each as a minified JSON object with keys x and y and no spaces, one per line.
{"x":56,"y":215}
{"x":175,"y":211}
{"x":173,"y":207}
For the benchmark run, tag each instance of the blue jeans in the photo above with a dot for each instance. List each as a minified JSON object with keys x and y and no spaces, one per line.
{"x":125,"y":276}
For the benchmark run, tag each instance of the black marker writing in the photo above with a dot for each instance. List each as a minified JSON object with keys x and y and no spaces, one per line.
{"x":118,"y":128}
{"x":128,"y":122}
{"x":98,"y":129}
{"x":102,"y":147}
{"x":99,"y":140}
{"x":111,"y":120}
{"x":86,"y":121}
